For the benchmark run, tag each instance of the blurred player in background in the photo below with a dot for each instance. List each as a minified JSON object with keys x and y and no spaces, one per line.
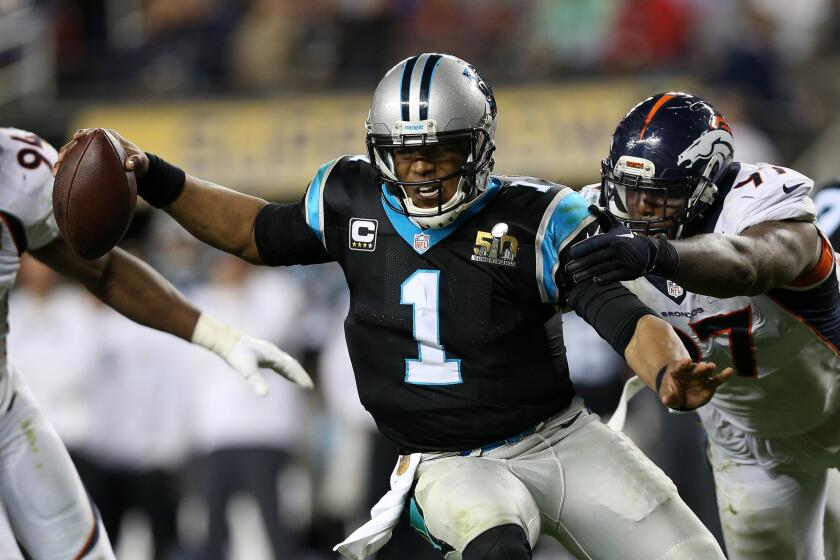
{"x":827,"y":200}
{"x":744,"y":236}
{"x":244,"y":454}
{"x":49,"y":511}
{"x":453,"y":274}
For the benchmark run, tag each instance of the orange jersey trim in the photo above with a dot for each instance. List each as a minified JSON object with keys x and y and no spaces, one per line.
{"x":92,"y":538}
{"x":820,"y":271}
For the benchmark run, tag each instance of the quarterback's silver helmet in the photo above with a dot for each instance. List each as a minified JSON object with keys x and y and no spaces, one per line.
{"x":434,"y":101}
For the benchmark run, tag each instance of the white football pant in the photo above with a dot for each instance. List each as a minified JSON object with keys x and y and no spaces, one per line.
{"x":831,"y":525}
{"x":579,"y":481}
{"x":45,"y":502}
{"x":772,"y":492}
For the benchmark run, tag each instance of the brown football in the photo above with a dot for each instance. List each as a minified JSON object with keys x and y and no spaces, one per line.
{"x":93,"y":195}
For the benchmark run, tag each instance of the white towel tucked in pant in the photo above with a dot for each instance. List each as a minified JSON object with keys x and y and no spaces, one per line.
{"x":373,"y":535}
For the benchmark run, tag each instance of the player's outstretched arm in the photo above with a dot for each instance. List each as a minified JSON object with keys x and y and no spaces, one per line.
{"x":136,"y":290}
{"x":649,"y":345}
{"x":658,"y":357}
{"x":765,"y":256}
{"x":216,"y":215}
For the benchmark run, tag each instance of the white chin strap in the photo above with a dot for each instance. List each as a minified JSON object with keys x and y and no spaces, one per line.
{"x":429,"y":218}
{"x":442,"y":220}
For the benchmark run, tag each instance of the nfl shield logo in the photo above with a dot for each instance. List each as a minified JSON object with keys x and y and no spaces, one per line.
{"x":421,"y":242}
{"x":674,"y":290}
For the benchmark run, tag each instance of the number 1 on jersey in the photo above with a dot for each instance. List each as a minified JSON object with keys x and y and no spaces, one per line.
{"x":422,"y":291}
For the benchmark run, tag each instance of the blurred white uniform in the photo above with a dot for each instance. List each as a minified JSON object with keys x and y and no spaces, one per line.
{"x":344,"y":488}
{"x":138,"y":396}
{"x":243,"y":442}
{"x":40,"y":321}
{"x":225,"y":413}
{"x":46,"y":503}
{"x":774,"y":427}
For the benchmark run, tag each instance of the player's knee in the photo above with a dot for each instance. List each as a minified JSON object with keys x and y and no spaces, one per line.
{"x":505,"y":542}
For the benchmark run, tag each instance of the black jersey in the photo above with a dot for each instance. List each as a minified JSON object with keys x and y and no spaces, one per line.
{"x":446,"y":327}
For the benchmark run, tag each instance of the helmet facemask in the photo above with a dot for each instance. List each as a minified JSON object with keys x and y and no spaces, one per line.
{"x":465,"y":155}
{"x":666,"y":158}
{"x":669,"y":202}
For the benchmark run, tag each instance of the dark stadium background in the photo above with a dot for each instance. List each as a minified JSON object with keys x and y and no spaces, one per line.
{"x":256,"y":94}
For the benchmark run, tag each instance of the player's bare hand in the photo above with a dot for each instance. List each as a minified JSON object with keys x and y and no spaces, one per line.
{"x":687,"y":385}
{"x":65,"y":148}
{"x":135,"y":158}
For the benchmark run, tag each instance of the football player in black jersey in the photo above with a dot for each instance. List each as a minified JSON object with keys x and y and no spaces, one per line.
{"x":453,"y":273}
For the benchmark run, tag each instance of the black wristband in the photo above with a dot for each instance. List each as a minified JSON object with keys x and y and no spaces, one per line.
{"x":659,"y":377}
{"x":667,"y":258}
{"x":162,"y":184}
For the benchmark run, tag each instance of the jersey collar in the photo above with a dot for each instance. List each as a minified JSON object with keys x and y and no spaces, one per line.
{"x":410,"y":231}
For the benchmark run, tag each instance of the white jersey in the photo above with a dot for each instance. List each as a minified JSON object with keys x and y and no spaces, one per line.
{"x":26,"y":213}
{"x":785,"y":344}
{"x":43,"y":496}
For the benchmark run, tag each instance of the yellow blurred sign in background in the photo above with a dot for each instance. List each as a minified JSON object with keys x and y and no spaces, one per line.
{"x":273,"y":147}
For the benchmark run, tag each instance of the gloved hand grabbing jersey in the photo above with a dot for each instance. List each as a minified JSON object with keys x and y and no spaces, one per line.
{"x":619,"y":254}
{"x":246,"y":354}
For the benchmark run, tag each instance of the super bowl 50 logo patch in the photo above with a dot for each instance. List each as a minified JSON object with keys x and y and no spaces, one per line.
{"x":495,"y":247}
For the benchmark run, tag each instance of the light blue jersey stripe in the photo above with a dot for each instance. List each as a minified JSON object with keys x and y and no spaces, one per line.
{"x":315,"y":200}
{"x":564,"y":218}
{"x":407,"y":229}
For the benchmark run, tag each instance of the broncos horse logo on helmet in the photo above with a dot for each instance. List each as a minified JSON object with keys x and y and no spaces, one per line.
{"x":709,"y":143}
{"x":666,"y":156}
{"x":433,"y":101}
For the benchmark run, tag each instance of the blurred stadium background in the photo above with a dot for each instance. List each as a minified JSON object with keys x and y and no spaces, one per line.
{"x":256,"y":94}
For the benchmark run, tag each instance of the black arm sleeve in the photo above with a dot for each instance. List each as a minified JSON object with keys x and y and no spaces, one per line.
{"x":284,"y":238}
{"x":612,"y":309}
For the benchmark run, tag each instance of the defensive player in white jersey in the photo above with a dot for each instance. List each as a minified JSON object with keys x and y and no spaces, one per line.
{"x":729,"y":254}
{"x":47,"y":507}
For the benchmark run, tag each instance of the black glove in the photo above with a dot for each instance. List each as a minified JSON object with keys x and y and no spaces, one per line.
{"x":619,"y":254}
